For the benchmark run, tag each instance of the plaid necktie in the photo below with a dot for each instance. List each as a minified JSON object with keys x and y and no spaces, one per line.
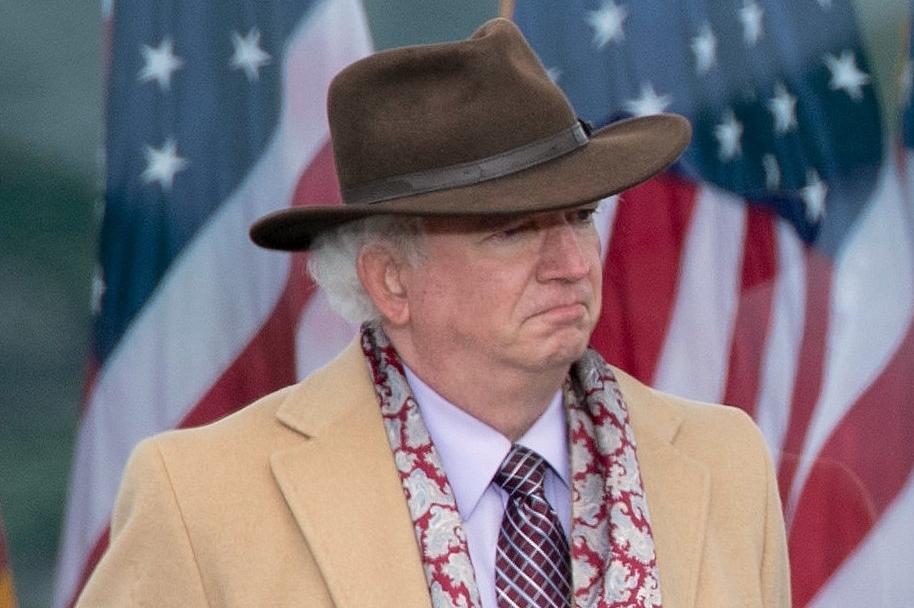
{"x":532,"y":564}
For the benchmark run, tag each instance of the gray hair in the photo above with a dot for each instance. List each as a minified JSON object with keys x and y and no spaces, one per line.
{"x":334,"y":255}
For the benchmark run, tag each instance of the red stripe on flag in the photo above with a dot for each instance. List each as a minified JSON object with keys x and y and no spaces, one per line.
{"x":808,"y":378}
{"x":318,"y":184}
{"x":91,"y":373}
{"x":753,"y":315}
{"x":268,"y":361}
{"x":861,"y":469}
{"x":91,"y":561}
{"x":641,"y":272}
{"x":3,"y":560}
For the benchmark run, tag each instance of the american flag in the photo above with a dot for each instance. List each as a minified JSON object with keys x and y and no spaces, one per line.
{"x":795,"y":306}
{"x":773,"y":267}
{"x":215,"y":116}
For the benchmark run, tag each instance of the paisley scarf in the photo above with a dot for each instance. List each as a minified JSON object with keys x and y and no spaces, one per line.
{"x":612,"y":549}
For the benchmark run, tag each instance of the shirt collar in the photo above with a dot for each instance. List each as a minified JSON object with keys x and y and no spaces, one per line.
{"x":471,"y":451}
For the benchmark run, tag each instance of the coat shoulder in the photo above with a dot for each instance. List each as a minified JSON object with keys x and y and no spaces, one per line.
{"x":238,"y":429}
{"x":688,"y":422}
{"x":273,"y":420}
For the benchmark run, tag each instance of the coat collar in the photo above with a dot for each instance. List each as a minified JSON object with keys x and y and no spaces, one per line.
{"x":357,"y":523}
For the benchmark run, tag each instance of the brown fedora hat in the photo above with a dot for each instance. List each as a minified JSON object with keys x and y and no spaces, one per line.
{"x":474,"y":127}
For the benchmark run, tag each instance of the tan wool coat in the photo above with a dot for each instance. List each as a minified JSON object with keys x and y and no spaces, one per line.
{"x":295,"y":501}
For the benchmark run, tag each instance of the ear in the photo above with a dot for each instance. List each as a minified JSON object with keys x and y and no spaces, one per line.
{"x":379,"y":268}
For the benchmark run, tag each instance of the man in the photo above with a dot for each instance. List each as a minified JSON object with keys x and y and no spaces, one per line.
{"x":467,"y":449}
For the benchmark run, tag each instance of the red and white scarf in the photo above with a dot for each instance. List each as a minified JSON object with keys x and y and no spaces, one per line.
{"x":612,"y":549}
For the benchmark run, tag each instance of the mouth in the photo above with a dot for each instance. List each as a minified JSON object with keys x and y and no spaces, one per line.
{"x":564,"y":313}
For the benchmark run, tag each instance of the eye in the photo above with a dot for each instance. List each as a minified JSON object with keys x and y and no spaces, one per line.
{"x":582,"y":215}
{"x":512,"y":230}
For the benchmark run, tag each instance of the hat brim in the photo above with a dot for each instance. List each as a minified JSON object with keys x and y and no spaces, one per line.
{"x":618,"y":156}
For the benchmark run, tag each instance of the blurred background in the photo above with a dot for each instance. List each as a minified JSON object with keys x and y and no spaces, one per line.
{"x":50,"y":129}
{"x":51,"y":104}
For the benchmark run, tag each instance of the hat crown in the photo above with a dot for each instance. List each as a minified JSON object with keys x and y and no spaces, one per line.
{"x":427,"y":107}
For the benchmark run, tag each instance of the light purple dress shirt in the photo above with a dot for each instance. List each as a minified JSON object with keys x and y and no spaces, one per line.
{"x":471,"y":452}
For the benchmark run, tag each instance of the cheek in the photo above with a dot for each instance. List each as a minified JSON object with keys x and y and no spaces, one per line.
{"x":445,"y":297}
{"x":479,"y":294}
{"x":466,"y":301}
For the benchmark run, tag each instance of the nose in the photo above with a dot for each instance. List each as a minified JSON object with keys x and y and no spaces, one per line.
{"x":564,"y":253}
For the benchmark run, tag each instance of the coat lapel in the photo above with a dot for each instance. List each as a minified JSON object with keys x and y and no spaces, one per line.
{"x":342,"y":487}
{"x":678,"y":490}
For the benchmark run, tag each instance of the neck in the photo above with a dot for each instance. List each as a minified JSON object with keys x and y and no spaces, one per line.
{"x":508,"y":400}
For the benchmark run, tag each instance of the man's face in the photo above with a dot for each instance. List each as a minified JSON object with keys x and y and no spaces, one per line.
{"x":519,"y":292}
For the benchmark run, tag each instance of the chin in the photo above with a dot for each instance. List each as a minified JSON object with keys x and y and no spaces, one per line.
{"x":552,"y":345}
{"x":563,"y":354}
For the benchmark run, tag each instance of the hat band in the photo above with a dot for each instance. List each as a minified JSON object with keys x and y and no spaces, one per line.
{"x":473,"y":172}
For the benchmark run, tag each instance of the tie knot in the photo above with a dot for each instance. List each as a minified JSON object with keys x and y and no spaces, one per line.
{"x":522,"y":472}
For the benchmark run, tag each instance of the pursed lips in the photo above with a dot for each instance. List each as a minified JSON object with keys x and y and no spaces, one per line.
{"x":569,"y":307}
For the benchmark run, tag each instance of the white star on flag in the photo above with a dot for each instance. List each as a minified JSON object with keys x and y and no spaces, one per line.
{"x":554,"y":74}
{"x":814,"y":196}
{"x":826,"y":4}
{"x":728,"y":134}
{"x":649,"y":102}
{"x":162,"y":164}
{"x":846,"y":75}
{"x":607,"y":23}
{"x":783,"y":107}
{"x":160,"y":63}
{"x":750,"y":15}
{"x":248,"y":55}
{"x":772,"y":172}
{"x":705,"y":48}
